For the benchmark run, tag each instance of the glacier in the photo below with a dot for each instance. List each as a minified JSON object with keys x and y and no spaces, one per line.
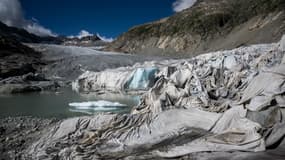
{"x":225,"y":101}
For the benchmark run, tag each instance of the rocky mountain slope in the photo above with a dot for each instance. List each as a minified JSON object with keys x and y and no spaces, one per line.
{"x":209,"y":25}
{"x":16,"y":58}
{"x":20,"y":65}
{"x":20,"y":68}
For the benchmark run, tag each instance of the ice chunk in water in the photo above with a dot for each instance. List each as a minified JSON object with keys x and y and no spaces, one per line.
{"x":96,"y":106}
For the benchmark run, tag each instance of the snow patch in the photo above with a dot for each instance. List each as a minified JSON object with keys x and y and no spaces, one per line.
{"x":105,"y":39}
{"x":84,"y":33}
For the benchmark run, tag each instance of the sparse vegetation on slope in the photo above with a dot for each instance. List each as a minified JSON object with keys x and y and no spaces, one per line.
{"x":207,"y":21}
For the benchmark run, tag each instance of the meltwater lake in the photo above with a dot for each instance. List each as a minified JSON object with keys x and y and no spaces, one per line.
{"x":64,"y":103}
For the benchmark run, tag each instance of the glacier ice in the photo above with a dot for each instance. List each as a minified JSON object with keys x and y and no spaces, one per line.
{"x":117,"y":80}
{"x":142,"y":78}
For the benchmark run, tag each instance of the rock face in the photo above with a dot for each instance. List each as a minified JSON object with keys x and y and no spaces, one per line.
{"x":16,"y":59}
{"x":226,"y":101}
{"x":209,"y":25}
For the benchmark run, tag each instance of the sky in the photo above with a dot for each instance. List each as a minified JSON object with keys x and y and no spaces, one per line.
{"x":108,"y":18}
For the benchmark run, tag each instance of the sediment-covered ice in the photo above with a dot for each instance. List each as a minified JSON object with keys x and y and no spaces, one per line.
{"x":225,"y":101}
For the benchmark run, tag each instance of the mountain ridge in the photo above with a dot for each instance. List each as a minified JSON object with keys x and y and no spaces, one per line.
{"x":22,"y":35}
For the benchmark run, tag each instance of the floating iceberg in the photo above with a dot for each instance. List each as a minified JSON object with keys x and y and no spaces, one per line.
{"x":95,"y":106}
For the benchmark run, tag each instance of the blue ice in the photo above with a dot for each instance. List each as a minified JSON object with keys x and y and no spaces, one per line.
{"x":142,"y":78}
